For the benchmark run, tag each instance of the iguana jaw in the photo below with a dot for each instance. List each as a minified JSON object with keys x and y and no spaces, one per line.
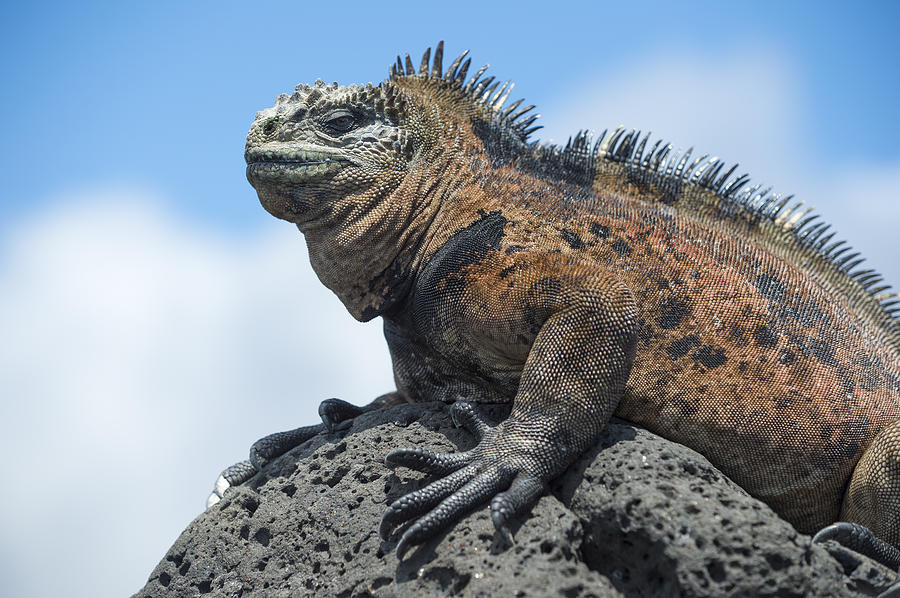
{"x":286,"y":165}
{"x":291,"y":180}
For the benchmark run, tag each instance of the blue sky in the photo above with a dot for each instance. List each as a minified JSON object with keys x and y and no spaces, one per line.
{"x":157,"y":320}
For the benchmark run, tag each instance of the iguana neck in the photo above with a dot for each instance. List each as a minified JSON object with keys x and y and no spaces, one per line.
{"x":366,"y":250}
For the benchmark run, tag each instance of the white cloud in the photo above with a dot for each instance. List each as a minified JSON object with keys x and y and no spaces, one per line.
{"x":140,"y":357}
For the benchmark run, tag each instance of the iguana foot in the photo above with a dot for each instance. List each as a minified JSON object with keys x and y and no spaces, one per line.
{"x":502,"y":466}
{"x":264,"y":450}
{"x":862,"y":540}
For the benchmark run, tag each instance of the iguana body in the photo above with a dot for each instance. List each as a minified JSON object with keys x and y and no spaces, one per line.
{"x":584,"y":282}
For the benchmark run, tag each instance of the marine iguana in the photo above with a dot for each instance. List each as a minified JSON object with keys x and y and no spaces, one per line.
{"x":608,"y":277}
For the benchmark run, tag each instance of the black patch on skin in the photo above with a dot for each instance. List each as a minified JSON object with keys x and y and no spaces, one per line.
{"x":621,"y":247}
{"x":782,"y":402}
{"x":599,"y":231}
{"x":822,"y":351}
{"x":710,"y":357}
{"x":680,"y":347}
{"x":808,"y":313}
{"x":672,"y":311}
{"x":743,"y":365}
{"x":737,"y":335}
{"x":514,"y":249}
{"x":848,"y":450}
{"x":685,"y":408}
{"x":770,"y":287}
{"x":392,"y":286}
{"x":644,"y":331}
{"x":507,"y":271}
{"x":572,"y":239}
{"x":786,"y":357}
{"x":465,"y":247}
{"x":764,"y":337}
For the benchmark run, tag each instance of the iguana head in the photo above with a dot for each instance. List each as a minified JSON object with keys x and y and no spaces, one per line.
{"x":324,"y":143}
{"x":362,"y":169}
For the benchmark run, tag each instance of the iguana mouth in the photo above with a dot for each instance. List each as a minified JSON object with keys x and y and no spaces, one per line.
{"x":294,"y":165}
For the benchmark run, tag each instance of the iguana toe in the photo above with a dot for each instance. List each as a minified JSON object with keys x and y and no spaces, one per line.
{"x":862,"y":540}
{"x":424,"y":499}
{"x":336,"y":411}
{"x":518,"y":499}
{"x":478,"y":489}
{"x":274,"y":445}
{"x":235,"y":475}
{"x":465,"y":415}
{"x":428,"y":461}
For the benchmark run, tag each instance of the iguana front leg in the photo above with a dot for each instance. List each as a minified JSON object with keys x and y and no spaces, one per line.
{"x":571,"y":382}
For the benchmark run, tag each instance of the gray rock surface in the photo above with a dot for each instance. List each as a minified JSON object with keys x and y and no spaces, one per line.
{"x":637,"y":516}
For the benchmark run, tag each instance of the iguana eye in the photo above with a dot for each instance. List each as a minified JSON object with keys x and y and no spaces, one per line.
{"x":270,"y":126}
{"x":340,"y":122}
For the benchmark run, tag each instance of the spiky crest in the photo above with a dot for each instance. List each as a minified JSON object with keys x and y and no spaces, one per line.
{"x":702,"y":183}
{"x":485,"y":96}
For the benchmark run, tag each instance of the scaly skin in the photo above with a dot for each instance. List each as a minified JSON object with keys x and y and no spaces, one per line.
{"x":578,"y":284}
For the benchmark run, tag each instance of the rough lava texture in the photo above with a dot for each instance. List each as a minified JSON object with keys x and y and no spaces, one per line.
{"x":636,"y":516}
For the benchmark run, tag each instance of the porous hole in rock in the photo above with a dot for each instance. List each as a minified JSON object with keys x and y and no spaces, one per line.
{"x":336,"y":450}
{"x":164,"y":579}
{"x":262,"y":536}
{"x":250,"y":504}
{"x":573,"y":592}
{"x":176,"y":558}
{"x":289,"y":489}
{"x":450,"y":580}
{"x":184,"y":568}
{"x":716,"y":571}
{"x":204,"y":587}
